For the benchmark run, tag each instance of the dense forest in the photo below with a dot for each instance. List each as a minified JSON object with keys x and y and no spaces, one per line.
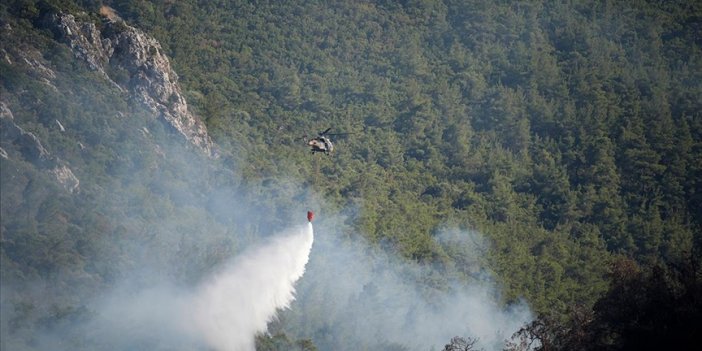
{"x":567,"y":134}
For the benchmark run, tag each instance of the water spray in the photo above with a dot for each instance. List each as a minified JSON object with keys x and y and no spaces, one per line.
{"x":239,"y":302}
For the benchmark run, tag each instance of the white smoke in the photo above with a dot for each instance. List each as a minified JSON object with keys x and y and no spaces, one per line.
{"x":224,"y":313}
{"x":357,"y":297}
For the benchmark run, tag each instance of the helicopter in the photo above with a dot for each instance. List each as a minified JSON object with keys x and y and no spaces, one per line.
{"x":322,"y":143}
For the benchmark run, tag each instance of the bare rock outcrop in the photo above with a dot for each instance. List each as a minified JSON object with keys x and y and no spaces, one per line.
{"x":83,"y":38}
{"x":135,"y":62}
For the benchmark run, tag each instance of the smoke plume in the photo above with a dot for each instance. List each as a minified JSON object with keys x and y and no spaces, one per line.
{"x":357,"y":297}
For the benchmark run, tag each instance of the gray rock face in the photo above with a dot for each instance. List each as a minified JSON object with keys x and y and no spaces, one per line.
{"x":83,"y":38}
{"x":145,"y":71}
{"x":65,"y":177}
{"x":33,"y":151}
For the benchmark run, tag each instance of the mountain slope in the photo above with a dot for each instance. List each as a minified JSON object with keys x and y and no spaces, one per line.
{"x":567,"y":134}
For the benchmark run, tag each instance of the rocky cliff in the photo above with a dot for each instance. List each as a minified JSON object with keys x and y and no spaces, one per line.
{"x":129,"y":60}
{"x":134,"y":62}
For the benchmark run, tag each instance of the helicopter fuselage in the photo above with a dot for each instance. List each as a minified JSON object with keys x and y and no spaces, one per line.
{"x":321,"y":144}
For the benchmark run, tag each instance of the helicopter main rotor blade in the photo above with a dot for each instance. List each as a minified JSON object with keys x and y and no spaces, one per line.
{"x":325,"y":132}
{"x":340,"y":133}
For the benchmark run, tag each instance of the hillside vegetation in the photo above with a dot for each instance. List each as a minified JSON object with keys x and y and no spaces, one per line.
{"x":569,"y":134}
